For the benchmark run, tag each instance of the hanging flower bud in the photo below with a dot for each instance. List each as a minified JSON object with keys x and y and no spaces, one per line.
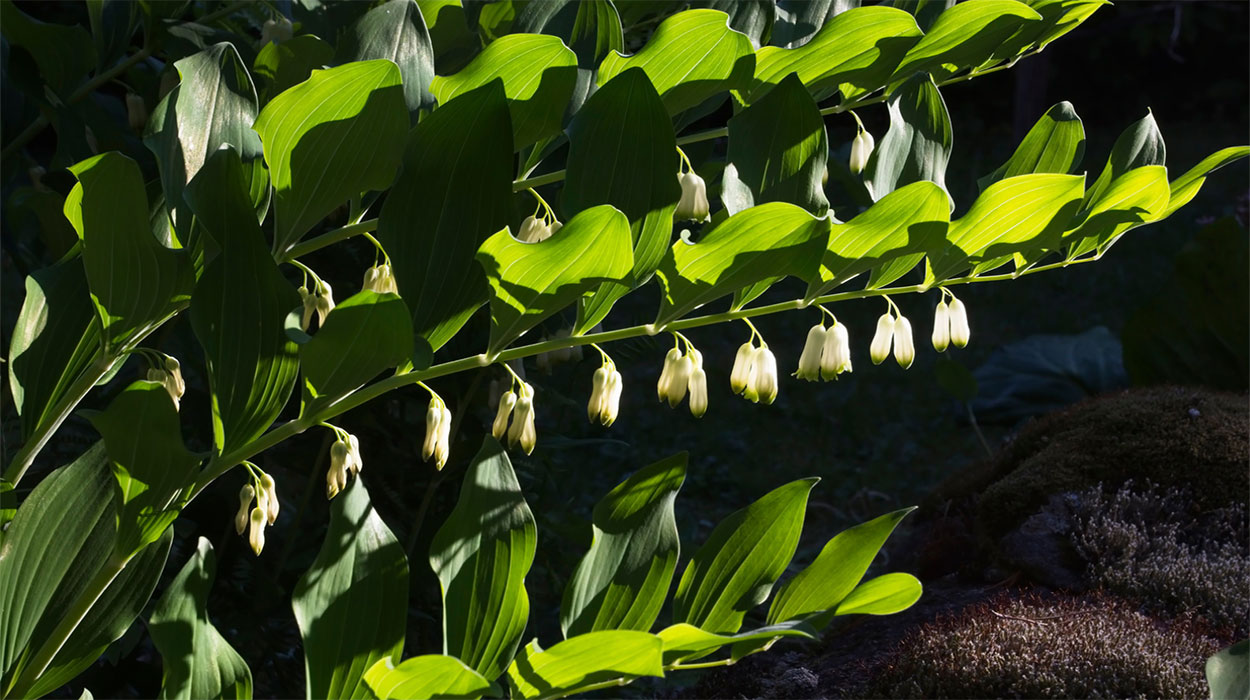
{"x":442,"y":450}
{"x":941,"y":327}
{"x":277,"y":30}
{"x":246,"y":494}
{"x":325,"y":303}
{"x":809,"y":361}
{"x":354,"y":463}
{"x":861,"y":149}
{"x":136,"y":111}
{"x":693,"y":204}
{"x":553,"y":227}
{"x":433,"y":427}
{"x":507,"y":402}
{"x":270,"y":491}
{"x":671,"y":361}
{"x":598,"y":394}
{"x":680,"y":381}
{"x":174,"y":369}
{"x":764,"y":378}
{"x":533,"y":230}
{"x":740,"y":376}
{"x":960,"y":332}
{"x":698,"y":392}
{"x":340,"y":461}
{"x":336,"y":481}
{"x":256,"y":535}
{"x":380,"y":279}
{"x":880,"y":347}
{"x":310,"y":307}
{"x":904,"y":347}
{"x":522,"y":431}
{"x":835,"y":357}
{"x":612,"y":402}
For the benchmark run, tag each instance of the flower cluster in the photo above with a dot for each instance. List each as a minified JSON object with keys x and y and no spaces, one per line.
{"x":254,"y":519}
{"x":380,"y":279}
{"x":344,"y":460}
{"x":319,"y":301}
{"x":754,"y":374}
{"x":950,"y":323}
{"x":166,"y":371}
{"x":518,"y":406}
{"x":684,"y":372}
{"x":826,"y":353}
{"x":893,"y":328}
{"x":605,"y":393}
{"x":437,"y":432}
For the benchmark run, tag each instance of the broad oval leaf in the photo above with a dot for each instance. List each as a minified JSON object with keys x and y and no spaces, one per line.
{"x":364,"y":335}
{"x":836,"y":571}
{"x":395,"y":31}
{"x":136,"y":283}
{"x":1011,"y":216}
{"x":1055,"y":144}
{"x":428,"y":676}
{"x":197,"y":661}
{"x":735,"y":569}
{"x":889,"y":239}
{"x":1185,"y":187}
{"x":281,"y":65}
{"x":532,"y":281}
{"x":481,"y":555}
{"x":1138,"y":145}
{"x":884,"y":595}
{"x":778,"y":148}
{"x":692,"y":56}
{"x":352,"y":603}
{"x":1137,"y":197}
{"x":965,"y":34}
{"x":768,"y":241}
{"x":584,"y":660}
{"x":623,"y":580}
{"x":62,"y":53}
{"x":238,"y":309}
{"x":918,"y":143}
{"x":330,"y":138}
{"x":1058,"y":18}
{"x":799,"y":20}
{"x":455,"y":190}
{"x":683,"y":641}
{"x":858,"y":50}
{"x":538,"y":73}
{"x":623,"y":130}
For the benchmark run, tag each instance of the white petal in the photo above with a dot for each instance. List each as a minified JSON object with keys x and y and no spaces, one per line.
{"x":904,"y":346}
{"x":960,"y":332}
{"x":941,"y":327}
{"x":880,"y":347}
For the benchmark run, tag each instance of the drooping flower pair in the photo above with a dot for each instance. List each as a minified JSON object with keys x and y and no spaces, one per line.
{"x":254,"y":519}
{"x":515,"y":418}
{"x":380,"y":279}
{"x":320,"y":301}
{"x":605,"y":392}
{"x":167,"y":372}
{"x":754,"y":374}
{"x":345,"y":461}
{"x":950,"y":323}
{"x":437,"y":431}
{"x":826,"y":353}
{"x":893,"y":328}
{"x":540,"y":225}
{"x":682,"y":373}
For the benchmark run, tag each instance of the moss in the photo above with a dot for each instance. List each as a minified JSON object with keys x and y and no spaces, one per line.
{"x":1171,"y":436}
{"x":1061,"y":647}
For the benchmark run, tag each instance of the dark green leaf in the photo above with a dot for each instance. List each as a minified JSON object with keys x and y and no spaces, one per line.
{"x":454,"y":42}
{"x":352,"y":603}
{"x":623,"y":580}
{"x":481,"y":555}
{"x":455,"y":189}
{"x":282,"y":65}
{"x":63,"y":54}
{"x":751,"y":17}
{"x":428,"y":676}
{"x":1055,"y":144}
{"x":1140,"y":144}
{"x":585,"y":660}
{"x":112,"y":24}
{"x":395,"y":31}
{"x":1185,"y":187}
{"x":735,"y":569}
{"x":918,"y":143}
{"x":362,"y":336}
{"x":238,"y":309}
{"x":964,"y":35}
{"x":330,"y":138}
{"x":799,"y":20}
{"x":198,"y":661}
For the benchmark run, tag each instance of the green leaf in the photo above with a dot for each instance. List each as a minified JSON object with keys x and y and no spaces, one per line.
{"x":1228,"y":672}
{"x":1058,"y":18}
{"x":538,"y":73}
{"x":799,"y":20}
{"x":110,"y":616}
{"x":836,"y":571}
{"x":683,"y":641}
{"x":214,"y":105}
{"x":60,"y":539}
{"x":1137,"y":197}
{"x":198,"y":661}
{"x":56,"y":340}
{"x":963,"y":36}
{"x":918,"y":143}
{"x":692,"y":56}
{"x":455,"y":189}
{"x":884,"y":595}
{"x":395,"y":31}
{"x":623,"y":130}
{"x":1055,"y":144}
{"x":768,"y":241}
{"x":136,"y":283}
{"x":481,"y":555}
{"x":1140,"y":144}
{"x":144,"y":442}
{"x":364,"y":335}
{"x":585,"y":660}
{"x":428,"y":676}
{"x":888,"y":239}
{"x":239,"y":308}
{"x":751,"y":17}
{"x":1185,"y":187}
{"x":112,"y":24}
{"x":857,"y":51}
{"x":455,"y":43}
{"x":623,"y":580}
{"x":778,"y":147}
{"x":532,"y":281}
{"x":735,"y":569}
{"x":331,"y":137}
{"x":1015,"y":215}
{"x":352,"y":603}
{"x":63,"y":54}
{"x":282,"y":65}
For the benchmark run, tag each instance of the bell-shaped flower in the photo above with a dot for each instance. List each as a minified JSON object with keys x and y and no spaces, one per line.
{"x":341,"y":461}
{"x":680,"y":381}
{"x":880,"y":347}
{"x":507,"y":403}
{"x":336,"y":481}
{"x":269,"y":500}
{"x":380,"y":279}
{"x":740,"y":376}
{"x":354,"y":463}
{"x":671,"y":362}
{"x":960,"y":332}
{"x":256,"y":535}
{"x":522,"y":431}
{"x":309,"y":302}
{"x":941,"y":327}
{"x":813,"y":348}
{"x":698,"y":392}
{"x":325,"y":302}
{"x":904,"y":346}
{"x":861,"y":150}
{"x":598,"y":394}
{"x":534,"y":230}
{"x":835,"y":357}
{"x":612,"y":407}
{"x":246,"y":494}
{"x":693,"y":205}
{"x":763,"y":386}
{"x":276,"y":30}
{"x":433,"y":427}
{"x":442,"y":444}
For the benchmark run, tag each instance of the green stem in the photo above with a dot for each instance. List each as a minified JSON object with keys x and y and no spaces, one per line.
{"x":530,"y":183}
{"x":224,"y":12}
{"x":328,"y":238}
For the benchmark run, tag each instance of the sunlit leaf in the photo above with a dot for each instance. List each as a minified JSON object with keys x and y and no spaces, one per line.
{"x":1055,"y":144}
{"x":964,"y":35}
{"x":683,"y":641}
{"x":585,"y":660}
{"x":395,"y":31}
{"x":884,"y":595}
{"x":1137,"y":197}
{"x":428,"y":676}
{"x":364,"y":335}
{"x":1185,"y":187}
{"x":282,"y":65}
{"x":1138,"y":145}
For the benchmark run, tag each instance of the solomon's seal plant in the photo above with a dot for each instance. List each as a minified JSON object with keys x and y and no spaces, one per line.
{"x":428,"y":133}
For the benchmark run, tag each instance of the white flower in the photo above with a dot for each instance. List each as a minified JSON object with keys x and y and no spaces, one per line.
{"x":522,"y":431}
{"x":740,"y":376}
{"x":534,"y":230}
{"x":880,"y":347}
{"x":813,"y":348}
{"x":616,"y":384}
{"x":598,"y":394}
{"x":355,"y":463}
{"x":904,"y":347}
{"x":835,"y":357}
{"x":553,"y":227}
{"x":671,"y":362}
{"x":380,"y":279}
{"x":680,"y":380}
{"x":341,"y":461}
{"x":324,"y":303}
{"x":256,"y":535}
{"x":442,"y":447}
{"x":507,"y":403}
{"x":310,"y":307}
{"x":278,"y":30}
{"x":246,"y":494}
{"x":960,"y":332}
{"x":941,"y":327}
{"x":174,"y":370}
{"x":763,"y":384}
{"x":433,"y":427}
{"x":269,"y":500}
{"x":693,"y":204}
{"x":861,"y":150}
{"x":336,"y":481}
{"x":698,"y":392}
